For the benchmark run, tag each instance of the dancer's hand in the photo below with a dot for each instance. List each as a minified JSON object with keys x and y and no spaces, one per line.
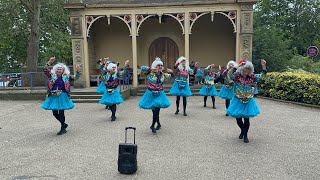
{"x":169,"y":70}
{"x":127,"y":62}
{"x":51,"y":60}
{"x":78,"y":67}
{"x":264,"y":64}
{"x":220,"y":68}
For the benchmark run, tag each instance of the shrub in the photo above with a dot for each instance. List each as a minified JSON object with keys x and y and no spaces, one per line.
{"x":303,"y":63}
{"x":296,"y":87}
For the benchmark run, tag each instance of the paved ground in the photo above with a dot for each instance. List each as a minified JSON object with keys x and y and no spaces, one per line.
{"x":284,"y":143}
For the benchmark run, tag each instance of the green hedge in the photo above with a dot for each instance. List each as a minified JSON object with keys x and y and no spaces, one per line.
{"x":296,"y":87}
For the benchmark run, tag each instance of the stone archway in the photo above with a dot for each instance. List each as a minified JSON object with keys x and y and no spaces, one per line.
{"x":166,"y":49}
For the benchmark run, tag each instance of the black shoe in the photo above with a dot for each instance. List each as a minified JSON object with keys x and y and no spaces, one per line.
{"x":214,"y":107}
{"x":185,"y":114}
{"x":153,"y":129}
{"x":113,"y":118}
{"x":245,"y":140}
{"x":204,"y":105}
{"x":227,"y":114}
{"x":177,"y":112}
{"x":241,"y":135}
{"x":158,"y":127}
{"x":62,"y":131}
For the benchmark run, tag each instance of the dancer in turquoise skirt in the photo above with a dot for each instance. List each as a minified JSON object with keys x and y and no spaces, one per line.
{"x":103,"y":69}
{"x":227,"y":90}
{"x":155,"y":98}
{"x":181,"y":86}
{"x":243,"y":105}
{"x":112,"y":96}
{"x":209,"y":88}
{"x":59,"y":91}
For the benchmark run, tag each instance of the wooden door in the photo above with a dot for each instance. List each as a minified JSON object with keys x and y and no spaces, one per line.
{"x":166,"y":49}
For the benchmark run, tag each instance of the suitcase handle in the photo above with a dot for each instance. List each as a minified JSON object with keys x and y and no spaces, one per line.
{"x":134,"y":134}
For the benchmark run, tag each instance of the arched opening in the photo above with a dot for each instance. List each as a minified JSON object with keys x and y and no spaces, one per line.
{"x":213,"y":42}
{"x":163,"y":39}
{"x":108,"y":40}
{"x":166,"y":49}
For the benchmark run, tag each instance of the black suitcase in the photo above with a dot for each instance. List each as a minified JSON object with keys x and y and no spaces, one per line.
{"x":127,"y":159}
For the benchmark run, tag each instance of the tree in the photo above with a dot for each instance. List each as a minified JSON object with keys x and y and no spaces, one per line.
{"x":33,"y":8}
{"x":269,"y":43}
{"x":15,"y":24}
{"x":292,"y":25}
{"x":13,"y":36}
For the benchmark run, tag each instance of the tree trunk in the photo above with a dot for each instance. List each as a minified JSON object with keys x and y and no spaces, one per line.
{"x":33,"y":48}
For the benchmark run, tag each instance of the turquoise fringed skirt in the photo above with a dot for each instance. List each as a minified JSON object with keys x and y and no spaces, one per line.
{"x":237,"y":109}
{"x":177,"y":91}
{"x":225,"y":93}
{"x":204,"y":91}
{"x":61,"y":102}
{"x":101,"y":88}
{"x":150,"y":101}
{"x":111,"y":99}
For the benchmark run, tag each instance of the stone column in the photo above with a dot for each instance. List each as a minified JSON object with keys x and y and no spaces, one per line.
{"x":246,"y":31}
{"x":134,"y":50}
{"x":187,"y":35}
{"x":78,"y":33}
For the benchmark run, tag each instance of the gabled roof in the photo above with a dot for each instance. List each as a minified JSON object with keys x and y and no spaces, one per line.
{"x":142,"y":1}
{"x":134,"y":3}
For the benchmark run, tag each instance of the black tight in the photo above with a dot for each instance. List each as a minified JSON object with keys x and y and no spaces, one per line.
{"x":184,"y":103}
{"x":244,"y":126}
{"x":156,"y":118}
{"x":59,"y":115}
{"x":213,"y":101}
{"x":113,"y":109}
{"x":227,"y":103}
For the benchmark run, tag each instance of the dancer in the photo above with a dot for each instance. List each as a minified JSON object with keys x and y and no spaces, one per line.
{"x":243,"y":105}
{"x":59,"y":91}
{"x":227,"y":90}
{"x":181,"y":86}
{"x":103,"y":69}
{"x":155,"y":98}
{"x":209,"y":88}
{"x":112,"y":96}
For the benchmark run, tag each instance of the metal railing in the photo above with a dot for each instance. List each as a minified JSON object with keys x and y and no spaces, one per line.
{"x":29,"y":80}
{"x":38,"y":80}
{"x":124,"y":83}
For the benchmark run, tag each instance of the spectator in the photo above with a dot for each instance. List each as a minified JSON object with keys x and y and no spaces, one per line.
{"x":199,"y":75}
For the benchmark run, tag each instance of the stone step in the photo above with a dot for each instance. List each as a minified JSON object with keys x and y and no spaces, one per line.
{"x":85,"y":96}
{"x":193,"y":94}
{"x":83,"y":93}
{"x":85,"y":100}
